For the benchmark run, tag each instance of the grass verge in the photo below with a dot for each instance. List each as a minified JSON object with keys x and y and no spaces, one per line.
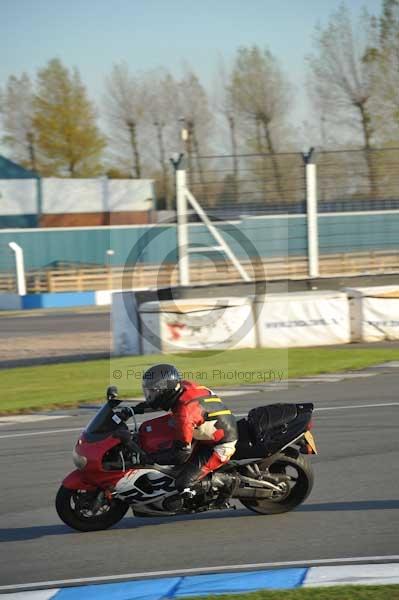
{"x":69,"y":384}
{"x":372,"y":592}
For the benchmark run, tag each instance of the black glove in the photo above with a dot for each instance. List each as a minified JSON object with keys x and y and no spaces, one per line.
{"x":141,"y":408}
{"x":176,"y":455}
{"x":125,"y":413}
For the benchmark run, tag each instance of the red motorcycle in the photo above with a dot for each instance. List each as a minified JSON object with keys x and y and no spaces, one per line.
{"x":115,"y":471}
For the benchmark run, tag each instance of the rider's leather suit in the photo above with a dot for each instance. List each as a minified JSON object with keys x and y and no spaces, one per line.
{"x":206,"y":434}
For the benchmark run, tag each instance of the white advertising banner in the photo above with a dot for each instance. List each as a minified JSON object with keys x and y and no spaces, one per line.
{"x":18,"y":196}
{"x":198,"y":324}
{"x":124,"y":319}
{"x":374,"y":313}
{"x":71,"y":195}
{"x":303,"y":319}
{"x":96,"y":195}
{"x":130,"y":194}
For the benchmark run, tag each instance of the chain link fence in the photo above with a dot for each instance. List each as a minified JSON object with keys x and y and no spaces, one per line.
{"x":358,"y":180}
{"x":255,"y":184}
{"x":252,"y":184}
{"x":264,"y":198}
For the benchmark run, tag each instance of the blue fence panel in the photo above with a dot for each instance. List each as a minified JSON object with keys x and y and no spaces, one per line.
{"x":146,"y":244}
{"x":261,"y":236}
{"x":284,"y":235}
{"x":357,"y":233}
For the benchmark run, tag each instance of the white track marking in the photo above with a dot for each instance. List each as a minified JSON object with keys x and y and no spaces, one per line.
{"x":342,"y":407}
{"x":357,"y":406}
{"x":43,"y":433}
{"x":221,"y":568}
{"x":376,"y":574}
{"x":15,"y":419}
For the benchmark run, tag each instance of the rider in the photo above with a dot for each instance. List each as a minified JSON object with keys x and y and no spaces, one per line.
{"x":199,"y":415}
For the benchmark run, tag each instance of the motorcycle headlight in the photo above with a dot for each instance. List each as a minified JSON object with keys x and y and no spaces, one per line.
{"x":78,"y":460}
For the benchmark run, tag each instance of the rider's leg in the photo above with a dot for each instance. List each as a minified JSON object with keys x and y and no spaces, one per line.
{"x":204,"y":463}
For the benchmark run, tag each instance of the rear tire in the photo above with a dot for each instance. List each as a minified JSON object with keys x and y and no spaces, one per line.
{"x":73,"y":508}
{"x":299,"y":491}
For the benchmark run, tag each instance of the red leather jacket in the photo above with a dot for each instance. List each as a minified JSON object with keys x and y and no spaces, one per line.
{"x":201,"y":415}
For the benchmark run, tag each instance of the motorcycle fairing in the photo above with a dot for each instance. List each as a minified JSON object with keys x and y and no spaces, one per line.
{"x":76,"y":481}
{"x":144,"y":485}
{"x":93,"y":476}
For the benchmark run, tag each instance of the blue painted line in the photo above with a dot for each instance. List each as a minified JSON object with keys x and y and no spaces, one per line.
{"x":155,"y":589}
{"x":193,"y":586}
{"x":225,"y":583}
{"x":58,"y":300}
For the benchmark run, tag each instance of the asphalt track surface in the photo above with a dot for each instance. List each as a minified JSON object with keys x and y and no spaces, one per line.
{"x":353,"y":510}
{"x":91,"y":324}
{"x":50,"y":321}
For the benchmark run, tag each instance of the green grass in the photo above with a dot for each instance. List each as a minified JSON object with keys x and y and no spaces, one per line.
{"x":372,"y":592}
{"x":69,"y":384}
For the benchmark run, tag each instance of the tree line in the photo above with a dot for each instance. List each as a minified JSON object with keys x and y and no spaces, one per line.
{"x":51,"y":126}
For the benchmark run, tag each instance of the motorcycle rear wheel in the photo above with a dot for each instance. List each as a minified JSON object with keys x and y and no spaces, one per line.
{"x":301,"y":487}
{"x":73,"y":508}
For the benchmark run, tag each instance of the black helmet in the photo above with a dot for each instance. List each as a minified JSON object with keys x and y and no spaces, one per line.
{"x":161,"y":386}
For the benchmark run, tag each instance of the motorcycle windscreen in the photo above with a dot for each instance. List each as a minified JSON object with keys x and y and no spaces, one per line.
{"x":105,"y":421}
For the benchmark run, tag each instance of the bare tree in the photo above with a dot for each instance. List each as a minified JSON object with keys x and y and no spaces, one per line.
{"x":341,"y":76}
{"x":261,"y":93}
{"x":16,"y":109}
{"x":224,"y":105}
{"x":162,"y":115}
{"x":194,"y":108}
{"x":386,"y":60}
{"x":125,"y":104}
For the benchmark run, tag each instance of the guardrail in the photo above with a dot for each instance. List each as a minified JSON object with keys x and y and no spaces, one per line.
{"x":155,"y":276}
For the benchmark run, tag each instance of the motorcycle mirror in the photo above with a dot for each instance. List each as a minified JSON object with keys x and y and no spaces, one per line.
{"x":112,"y":396}
{"x":112,"y":392}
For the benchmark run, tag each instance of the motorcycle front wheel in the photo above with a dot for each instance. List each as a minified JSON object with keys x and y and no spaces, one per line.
{"x":75,"y":509}
{"x":299,"y":473}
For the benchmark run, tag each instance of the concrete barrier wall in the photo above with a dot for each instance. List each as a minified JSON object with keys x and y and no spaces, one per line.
{"x":275,"y":320}
{"x":10,"y":302}
{"x":125,"y":324}
{"x":302,"y":319}
{"x":374,"y":313}
{"x":200,"y":324}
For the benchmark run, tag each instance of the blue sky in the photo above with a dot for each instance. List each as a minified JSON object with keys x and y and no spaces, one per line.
{"x":95,"y":34}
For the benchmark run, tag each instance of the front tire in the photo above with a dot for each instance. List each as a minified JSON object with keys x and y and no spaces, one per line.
{"x":301,"y":484}
{"x":74,"y":508}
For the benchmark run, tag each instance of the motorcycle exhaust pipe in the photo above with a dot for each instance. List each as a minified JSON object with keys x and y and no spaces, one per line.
{"x":247,"y":492}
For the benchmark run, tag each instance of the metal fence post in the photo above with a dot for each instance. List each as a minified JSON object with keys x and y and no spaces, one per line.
{"x":311,"y":214}
{"x":182,"y":225}
{"x":19,"y":267}
{"x":39,"y":197}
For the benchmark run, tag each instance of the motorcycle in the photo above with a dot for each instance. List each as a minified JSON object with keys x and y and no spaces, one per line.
{"x":114,"y":470}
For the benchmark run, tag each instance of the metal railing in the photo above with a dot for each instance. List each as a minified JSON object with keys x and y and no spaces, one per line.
{"x":153,"y":276}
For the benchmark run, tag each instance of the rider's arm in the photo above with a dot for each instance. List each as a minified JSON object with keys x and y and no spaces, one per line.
{"x":141,"y":408}
{"x":127,"y":412}
{"x":176,"y":455}
{"x":181,"y":448}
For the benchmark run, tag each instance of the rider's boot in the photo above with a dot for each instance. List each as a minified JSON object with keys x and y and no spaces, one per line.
{"x":223,"y":483}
